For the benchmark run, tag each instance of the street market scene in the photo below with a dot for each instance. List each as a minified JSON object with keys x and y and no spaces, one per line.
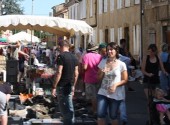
{"x":85,"y":62}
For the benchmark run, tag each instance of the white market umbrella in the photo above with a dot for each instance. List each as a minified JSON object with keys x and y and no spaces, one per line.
{"x":23,"y":37}
{"x":55,"y":25}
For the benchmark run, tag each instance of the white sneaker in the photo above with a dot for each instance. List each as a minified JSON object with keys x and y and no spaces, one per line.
{"x":131,"y":78}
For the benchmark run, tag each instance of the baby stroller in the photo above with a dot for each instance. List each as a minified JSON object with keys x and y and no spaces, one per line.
{"x":154,"y":116}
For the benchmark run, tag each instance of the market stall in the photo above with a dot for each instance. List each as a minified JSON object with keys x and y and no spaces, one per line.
{"x":57,"y":26}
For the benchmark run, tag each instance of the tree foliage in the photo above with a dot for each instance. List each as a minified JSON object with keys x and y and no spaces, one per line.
{"x":12,"y":7}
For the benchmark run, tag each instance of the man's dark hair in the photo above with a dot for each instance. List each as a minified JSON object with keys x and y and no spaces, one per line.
{"x":122,"y":41}
{"x":64,"y":43}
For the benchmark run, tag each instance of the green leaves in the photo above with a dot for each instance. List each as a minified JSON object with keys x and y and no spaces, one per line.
{"x":11,"y":7}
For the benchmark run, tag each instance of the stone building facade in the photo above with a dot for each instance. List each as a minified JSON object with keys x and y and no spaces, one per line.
{"x":156,"y":22}
{"x":111,"y":20}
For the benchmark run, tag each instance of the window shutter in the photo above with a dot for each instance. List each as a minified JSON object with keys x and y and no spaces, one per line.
{"x":119,"y":4}
{"x":136,"y":39}
{"x":101,"y":36}
{"x":81,"y":10}
{"x":105,"y":5}
{"x":112,"y":35}
{"x":70,"y":11}
{"x":91,"y":8}
{"x":137,"y":1}
{"x":94,"y":36}
{"x":100,"y":6}
{"x":111,"y":5}
{"x":127,"y":3}
{"x":119,"y":34}
{"x":76,"y":11}
{"x":84,"y":9}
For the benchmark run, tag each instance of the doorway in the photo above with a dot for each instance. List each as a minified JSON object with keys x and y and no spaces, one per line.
{"x":126,"y":36}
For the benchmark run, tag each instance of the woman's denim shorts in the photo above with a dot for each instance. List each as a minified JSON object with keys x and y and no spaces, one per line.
{"x":107,"y":105}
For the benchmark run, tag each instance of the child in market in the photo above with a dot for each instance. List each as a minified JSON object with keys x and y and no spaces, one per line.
{"x":162,"y":105}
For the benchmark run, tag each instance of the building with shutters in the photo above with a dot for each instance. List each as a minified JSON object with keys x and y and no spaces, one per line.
{"x":111,"y":20}
{"x":129,"y":19}
{"x":117,"y":19}
{"x":155,"y":22}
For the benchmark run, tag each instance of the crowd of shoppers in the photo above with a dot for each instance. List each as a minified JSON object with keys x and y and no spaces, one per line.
{"x":104,"y":70}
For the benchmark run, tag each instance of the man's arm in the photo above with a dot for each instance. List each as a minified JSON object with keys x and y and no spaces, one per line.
{"x":58,"y":77}
{"x":76,"y":73}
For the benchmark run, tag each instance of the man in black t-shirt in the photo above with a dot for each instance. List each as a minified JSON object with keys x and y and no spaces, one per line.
{"x":5,"y":91}
{"x":66,"y":78}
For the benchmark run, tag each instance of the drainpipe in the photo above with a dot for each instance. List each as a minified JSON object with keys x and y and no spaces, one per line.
{"x":141,"y":32}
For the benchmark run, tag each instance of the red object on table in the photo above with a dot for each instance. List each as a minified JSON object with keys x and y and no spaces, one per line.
{"x":46,"y":75}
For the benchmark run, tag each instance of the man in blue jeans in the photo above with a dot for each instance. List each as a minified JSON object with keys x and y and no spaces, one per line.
{"x":66,"y":78}
{"x":122,"y":108}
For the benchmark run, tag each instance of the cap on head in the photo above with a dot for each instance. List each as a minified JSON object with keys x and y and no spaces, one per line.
{"x":102,"y":45}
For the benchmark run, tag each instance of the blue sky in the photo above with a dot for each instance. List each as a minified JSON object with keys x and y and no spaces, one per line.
{"x":40,"y":7}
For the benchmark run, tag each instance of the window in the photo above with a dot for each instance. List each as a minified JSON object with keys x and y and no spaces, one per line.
{"x":112,"y":35}
{"x":112,"y":5}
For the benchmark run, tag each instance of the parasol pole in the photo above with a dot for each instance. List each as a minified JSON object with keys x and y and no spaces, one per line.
{"x":32,"y":14}
{"x":33,"y":84}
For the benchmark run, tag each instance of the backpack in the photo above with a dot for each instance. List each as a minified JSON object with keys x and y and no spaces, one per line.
{"x":167,"y":64}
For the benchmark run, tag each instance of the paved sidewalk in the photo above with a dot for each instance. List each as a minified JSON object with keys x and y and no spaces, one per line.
{"x":136,"y":105}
